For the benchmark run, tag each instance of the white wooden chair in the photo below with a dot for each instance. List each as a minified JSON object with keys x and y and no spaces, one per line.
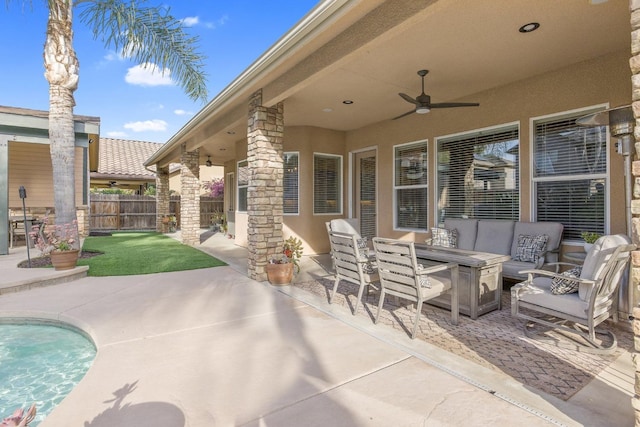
{"x":402,"y":276}
{"x":351,"y":264}
{"x":576,"y":314}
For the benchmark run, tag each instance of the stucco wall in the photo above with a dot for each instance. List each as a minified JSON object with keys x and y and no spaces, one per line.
{"x":30,"y":166}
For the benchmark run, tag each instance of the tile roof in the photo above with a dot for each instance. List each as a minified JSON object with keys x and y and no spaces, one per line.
{"x":125,"y":158}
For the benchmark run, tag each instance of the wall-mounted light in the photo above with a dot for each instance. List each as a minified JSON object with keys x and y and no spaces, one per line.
{"x":208,"y":162}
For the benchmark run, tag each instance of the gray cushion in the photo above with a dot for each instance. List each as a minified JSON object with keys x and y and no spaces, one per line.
{"x":445,"y":237}
{"x":512,"y":269}
{"x":467,"y":230}
{"x":595,"y":260}
{"x":531,"y":248}
{"x":348,"y":226}
{"x":494,"y":236}
{"x":551,"y":229}
{"x":539,"y":293}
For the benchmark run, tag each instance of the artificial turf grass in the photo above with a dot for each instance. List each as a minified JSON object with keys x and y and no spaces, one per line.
{"x":131,"y":253}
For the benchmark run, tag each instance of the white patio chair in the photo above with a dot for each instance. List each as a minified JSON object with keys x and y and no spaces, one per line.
{"x":402,"y":276}
{"x":591,"y":297}
{"x":351,"y":264}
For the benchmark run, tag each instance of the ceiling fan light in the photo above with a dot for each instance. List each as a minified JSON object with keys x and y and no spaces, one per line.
{"x":422,"y":110}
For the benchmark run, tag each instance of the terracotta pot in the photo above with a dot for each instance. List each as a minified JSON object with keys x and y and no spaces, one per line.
{"x":280,"y":274}
{"x":64,"y":260}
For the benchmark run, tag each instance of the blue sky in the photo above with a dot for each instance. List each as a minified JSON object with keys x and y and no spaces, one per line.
{"x":132,"y":104}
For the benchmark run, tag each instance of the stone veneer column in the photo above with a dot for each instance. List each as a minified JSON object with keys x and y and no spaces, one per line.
{"x":162,"y":196}
{"x":264,"y":196}
{"x":190,"y":196}
{"x":634,"y":279}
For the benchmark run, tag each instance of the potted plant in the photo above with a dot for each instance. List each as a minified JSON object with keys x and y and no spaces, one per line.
{"x":589,"y":238}
{"x":280,"y":269}
{"x":59,"y":241}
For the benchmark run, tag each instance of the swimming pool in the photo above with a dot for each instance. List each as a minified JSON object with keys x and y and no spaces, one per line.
{"x":40,"y":363}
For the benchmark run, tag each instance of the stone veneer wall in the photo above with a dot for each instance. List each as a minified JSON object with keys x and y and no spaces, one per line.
{"x":162,"y":195}
{"x":190,"y":196}
{"x":265,"y":136}
{"x":634,"y":62}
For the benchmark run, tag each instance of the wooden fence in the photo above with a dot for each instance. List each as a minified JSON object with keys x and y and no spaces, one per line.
{"x":134,"y":212}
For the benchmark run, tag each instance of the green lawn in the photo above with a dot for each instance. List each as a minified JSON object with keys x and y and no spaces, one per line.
{"x":129,"y":253}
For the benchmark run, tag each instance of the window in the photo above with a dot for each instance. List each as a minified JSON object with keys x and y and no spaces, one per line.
{"x":410,"y":186}
{"x":478,"y":175}
{"x":570,"y":174}
{"x":327,"y":184}
{"x":290,"y":183}
{"x":243,"y":185}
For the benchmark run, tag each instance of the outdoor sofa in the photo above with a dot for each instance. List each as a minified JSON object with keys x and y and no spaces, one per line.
{"x":531,"y":245}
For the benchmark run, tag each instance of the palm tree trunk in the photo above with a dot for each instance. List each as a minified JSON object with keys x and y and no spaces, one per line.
{"x":61,"y":71}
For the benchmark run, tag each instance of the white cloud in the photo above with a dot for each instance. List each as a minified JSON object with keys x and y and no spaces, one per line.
{"x":190,"y":21}
{"x":180,"y":112}
{"x":116,"y":134}
{"x":155,"y":125}
{"x":148,"y":75}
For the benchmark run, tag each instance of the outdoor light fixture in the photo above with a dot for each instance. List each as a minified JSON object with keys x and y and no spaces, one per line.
{"x":527,"y":28}
{"x":208,"y":162}
{"x":347,"y":102}
{"x":621,"y":123}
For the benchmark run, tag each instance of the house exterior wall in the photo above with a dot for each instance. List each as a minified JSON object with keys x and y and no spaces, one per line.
{"x":605,"y":80}
{"x":29,"y":166}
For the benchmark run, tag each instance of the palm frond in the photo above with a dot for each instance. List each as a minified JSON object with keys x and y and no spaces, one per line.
{"x":148,"y":35}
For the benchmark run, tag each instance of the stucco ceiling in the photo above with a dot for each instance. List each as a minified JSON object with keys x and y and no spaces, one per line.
{"x":467,"y":46}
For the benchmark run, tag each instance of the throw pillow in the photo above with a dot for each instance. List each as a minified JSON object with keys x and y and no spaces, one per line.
{"x":363,"y":248}
{"x":561,"y":286}
{"x":445,"y":237}
{"x":530,"y":248}
{"x":423,"y":280}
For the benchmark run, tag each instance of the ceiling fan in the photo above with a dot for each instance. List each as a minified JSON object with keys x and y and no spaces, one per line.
{"x":423,"y":101}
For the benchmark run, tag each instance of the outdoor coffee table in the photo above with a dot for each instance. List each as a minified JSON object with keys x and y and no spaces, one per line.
{"x":479,"y":282}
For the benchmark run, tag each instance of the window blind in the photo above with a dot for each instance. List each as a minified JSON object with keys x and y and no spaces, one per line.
{"x":569,"y":174}
{"x":411,"y":186}
{"x":243,"y":185}
{"x":478,"y":175}
{"x":327,"y":184}
{"x":290,"y":183}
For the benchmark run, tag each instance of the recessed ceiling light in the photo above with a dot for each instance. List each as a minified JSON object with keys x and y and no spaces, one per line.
{"x":231,"y":132}
{"x":527,"y":28}
{"x":347,"y":101}
{"x":223,"y":149}
{"x":327,"y":110}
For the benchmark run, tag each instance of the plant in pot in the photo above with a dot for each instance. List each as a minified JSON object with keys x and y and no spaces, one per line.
{"x":59,"y":241}
{"x":281,"y":268}
{"x":589,"y":238}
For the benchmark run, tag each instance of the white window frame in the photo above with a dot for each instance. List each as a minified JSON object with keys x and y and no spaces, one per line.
{"x":340,"y":184}
{"x":606,"y":175}
{"x":238,"y":187}
{"x":395,"y":187}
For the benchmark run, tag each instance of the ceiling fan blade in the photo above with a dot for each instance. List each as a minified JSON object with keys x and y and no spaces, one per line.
{"x":405,"y":114}
{"x":408,"y":98}
{"x":454,"y":104}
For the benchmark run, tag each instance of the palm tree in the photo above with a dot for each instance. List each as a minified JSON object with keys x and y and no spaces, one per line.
{"x":146,"y":34}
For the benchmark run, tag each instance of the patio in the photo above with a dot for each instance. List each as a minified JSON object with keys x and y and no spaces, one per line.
{"x":238,"y":352}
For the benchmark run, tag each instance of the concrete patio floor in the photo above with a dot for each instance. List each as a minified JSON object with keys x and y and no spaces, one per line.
{"x":211,"y":347}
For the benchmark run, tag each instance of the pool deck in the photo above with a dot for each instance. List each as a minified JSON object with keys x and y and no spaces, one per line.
{"x":211,"y":347}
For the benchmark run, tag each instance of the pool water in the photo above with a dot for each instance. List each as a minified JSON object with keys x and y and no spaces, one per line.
{"x":40,"y":364}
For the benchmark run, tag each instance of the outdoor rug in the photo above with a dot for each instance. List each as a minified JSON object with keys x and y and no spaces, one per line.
{"x":495,"y":340}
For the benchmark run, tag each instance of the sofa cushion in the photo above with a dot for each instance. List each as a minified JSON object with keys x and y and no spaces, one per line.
{"x":346,"y":225}
{"x":531,"y":248}
{"x":595,"y":260}
{"x":445,"y":237}
{"x":561,"y":286}
{"x":539,"y":293}
{"x":467,"y":230}
{"x":494,"y":236}
{"x":551,"y":229}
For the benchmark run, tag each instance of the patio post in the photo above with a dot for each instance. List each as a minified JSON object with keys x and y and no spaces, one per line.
{"x":162,"y":195}
{"x":190,"y":196}
{"x":265,"y":135}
